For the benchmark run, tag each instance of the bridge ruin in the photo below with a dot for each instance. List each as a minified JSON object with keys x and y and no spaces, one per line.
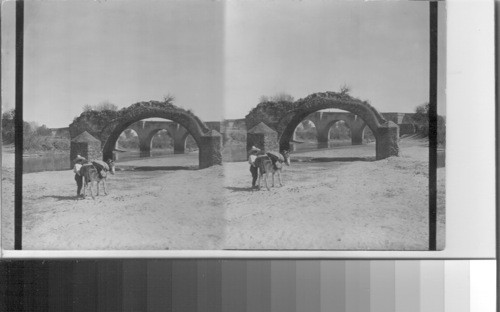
{"x":210,"y":136}
{"x":284,"y":117}
{"x":107,"y":126}
{"x":147,"y":129}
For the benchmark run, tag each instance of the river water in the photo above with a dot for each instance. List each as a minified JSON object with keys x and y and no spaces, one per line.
{"x":61,"y":161}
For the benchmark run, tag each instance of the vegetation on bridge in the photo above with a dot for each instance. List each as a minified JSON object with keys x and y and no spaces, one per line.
{"x":95,"y":119}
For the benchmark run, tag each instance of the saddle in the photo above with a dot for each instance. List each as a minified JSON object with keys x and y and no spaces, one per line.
{"x":276,"y":158}
{"x":102,"y":168}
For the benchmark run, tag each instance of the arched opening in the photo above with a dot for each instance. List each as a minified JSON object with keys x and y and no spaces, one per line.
{"x":153,"y":143}
{"x":368,"y":136}
{"x":339,"y":133}
{"x":190,"y":144}
{"x":327,"y":128}
{"x":127,"y":145}
{"x":304,"y":136}
{"x":285,"y":118}
{"x":107,"y":127}
{"x":162,"y":143}
{"x":184,"y":143}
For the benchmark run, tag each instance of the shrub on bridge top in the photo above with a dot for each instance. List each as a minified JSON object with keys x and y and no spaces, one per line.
{"x":340,"y":96}
{"x":104,"y":105}
{"x":92,"y":121}
{"x":266,"y":111}
{"x":279,"y":97}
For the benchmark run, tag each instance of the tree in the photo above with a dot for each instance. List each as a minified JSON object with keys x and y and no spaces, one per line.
{"x":307,"y":124}
{"x":168,"y":98}
{"x":8,"y":126}
{"x":30,"y":129}
{"x":129,"y":133}
{"x":263,"y":99}
{"x":422,"y":109}
{"x":10,"y":114}
{"x":43,"y":131}
{"x":421,"y":118}
{"x":102,"y":106}
{"x":278,"y":97}
{"x":106,"y":105}
{"x":340,"y":131}
{"x":345,"y":89}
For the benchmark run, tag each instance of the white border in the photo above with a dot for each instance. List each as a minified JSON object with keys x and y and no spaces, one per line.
{"x":470,"y":163}
{"x":483,"y":290}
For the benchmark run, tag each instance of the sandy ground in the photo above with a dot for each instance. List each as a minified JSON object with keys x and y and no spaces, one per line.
{"x":379,"y":205}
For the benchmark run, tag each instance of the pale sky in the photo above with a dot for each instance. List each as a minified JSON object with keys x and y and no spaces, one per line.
{"x":217,"y":58}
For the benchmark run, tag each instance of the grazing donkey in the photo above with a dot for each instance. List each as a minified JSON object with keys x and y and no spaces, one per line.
{"x":272,"y":162}
{"x":95,"y":173}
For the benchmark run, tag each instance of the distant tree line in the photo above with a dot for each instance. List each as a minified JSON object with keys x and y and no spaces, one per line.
{"x":421,"y":119}
{"x":8,"y":128}
{"x":35,"y":137}
{"x":29,"y":128}
{"x":39,"y":137}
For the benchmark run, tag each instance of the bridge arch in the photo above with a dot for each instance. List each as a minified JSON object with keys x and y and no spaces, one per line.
{"x":294,"y":137}
{"x":366,"y":134}
{"x":386,"y":132}
{"x":152,"y":134}
{"x":284,"y":118}
{"x":132,"y":135}
{"x":181,"y":143}
{"x":332,"y":123}
{"x":208,"y":141}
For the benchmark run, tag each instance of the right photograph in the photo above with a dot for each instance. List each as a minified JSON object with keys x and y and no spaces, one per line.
{"x":334,"y":135}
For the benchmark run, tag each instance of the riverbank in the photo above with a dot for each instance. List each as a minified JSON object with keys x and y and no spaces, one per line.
{"x":336,"y":205}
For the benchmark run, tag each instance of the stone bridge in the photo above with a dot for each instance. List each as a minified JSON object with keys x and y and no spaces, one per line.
{"x":107,"y":126}
{"x":324,"y":121}
{"x":283,"y":117}
{"x":146,"y":130}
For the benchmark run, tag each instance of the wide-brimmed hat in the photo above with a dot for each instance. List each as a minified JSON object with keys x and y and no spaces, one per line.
{"x":79,"y":158}
{"x":254,"y":150}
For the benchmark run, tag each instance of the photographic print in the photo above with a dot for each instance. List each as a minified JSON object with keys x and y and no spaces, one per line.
{"x":212,"y":125}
